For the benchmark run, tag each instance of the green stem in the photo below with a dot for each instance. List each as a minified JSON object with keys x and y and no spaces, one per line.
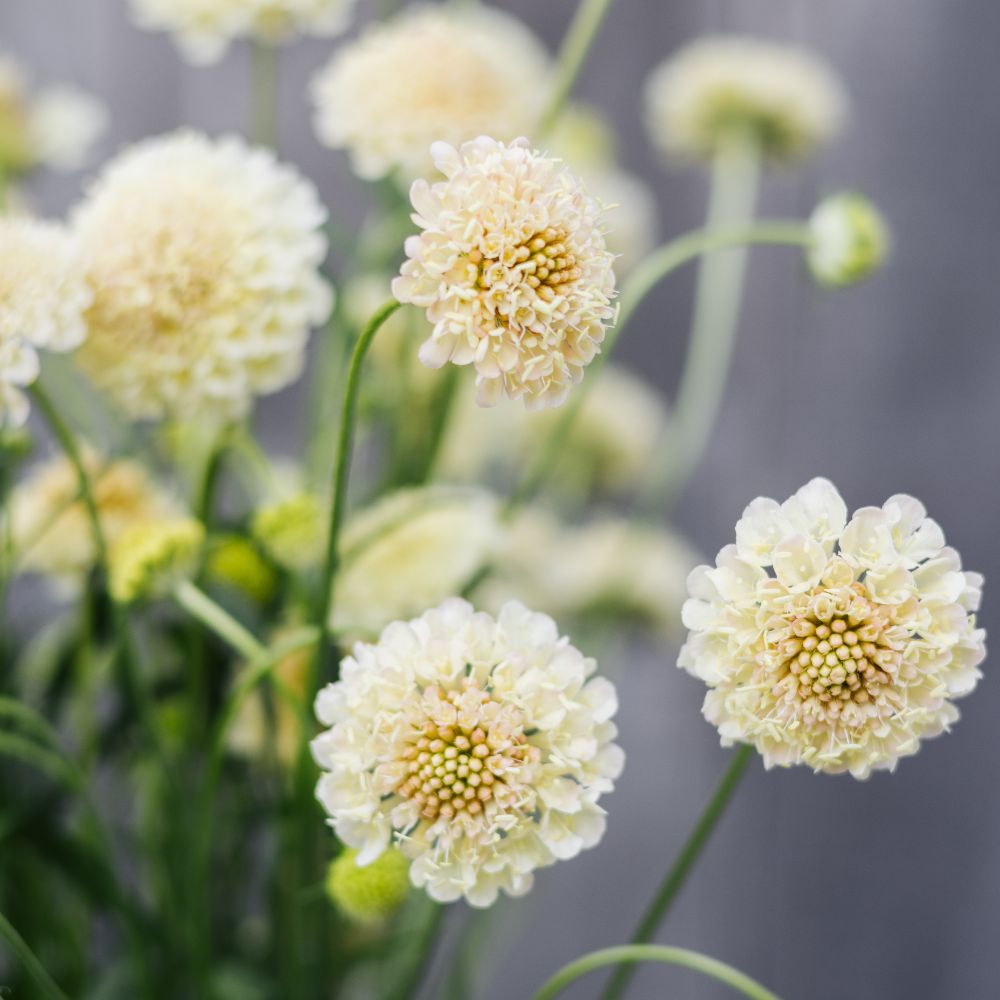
{"x":441,"y":410}
{"x":694,"y":960}
{"x":409,"y":986}
{"x":682,"y":866}
{"x":718,"y":298}
{"x":200,"y":606}
{"x":32,"y":966}
{"x":577,"y":44}
{"x":341,"y":476}
{"x":662,"y":262}
{"x":264,"y":82}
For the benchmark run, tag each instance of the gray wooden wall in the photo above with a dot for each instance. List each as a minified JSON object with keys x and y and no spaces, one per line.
{"x":824,"y":888}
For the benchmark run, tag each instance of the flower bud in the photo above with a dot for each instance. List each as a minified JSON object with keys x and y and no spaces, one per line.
{"x":235,"y":562}
{"x":292,"y":531}
{"x":372,"y":893}
{"x":849,"y":240}
{"x":150,"y":558}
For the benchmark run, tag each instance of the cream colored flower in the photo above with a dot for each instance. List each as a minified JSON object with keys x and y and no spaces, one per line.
{"x":410,"y":551}
{"x":786,"y":97}
{"x":613,"y":438}
{"x":56,"y":128}
{"x":203,"y":256}
{"x":480,"y":747}
{"x":49,"y":524}
{"x":204,"y":28}
{"x":150,"y":559}
{"x":512,"y":268}
{"x":833,"y":643}
{"x":608,"y":565}
{"x":432,"y":74}
{"x":43,"y":296}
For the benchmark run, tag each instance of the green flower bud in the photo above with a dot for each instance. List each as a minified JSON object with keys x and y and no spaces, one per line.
{"x":292,"y":531}
{"x":150,"y":558}
{"x":850,"y":240}
{"x":370,"y":894}
{"x":235,"y":562}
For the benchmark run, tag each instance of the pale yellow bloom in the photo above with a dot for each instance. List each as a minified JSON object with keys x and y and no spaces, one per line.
{"x":512,"y":268}
{"x":43,"y":296}
{"x":204,"y":28}
{"x":149,"y":559}
{"x":713,"y":88}
{"x":431,"y":74}
{"x":479,"y":746}
{"x":204,"y":260}
{"x":835,"y":643}
{"x":293,"y":531}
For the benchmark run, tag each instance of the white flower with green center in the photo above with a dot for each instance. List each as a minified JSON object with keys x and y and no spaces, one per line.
{"x":512,"y":268}
{"x":479,"y":746}
{"x":786,"y":98}
{"x":833,"y":643}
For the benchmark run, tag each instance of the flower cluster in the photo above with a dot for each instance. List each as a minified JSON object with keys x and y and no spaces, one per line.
{"x":479,"y":746}
{"x":512,"y":268}
{"x":833,"y":643}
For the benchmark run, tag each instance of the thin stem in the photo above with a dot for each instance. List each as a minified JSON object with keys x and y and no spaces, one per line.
{"x":441,"y":411}
{"x":682,"y":865}
{"x":264,"y":81}
{"x":654,"y":269}
{"x":34,"y":968}
{"x":409,"y":987}
{"x":341,"y":477}
{"x":718,"y":297}
{"x":577,"y":44}
{"x":200,"y":606}
{"x":694,"y":960}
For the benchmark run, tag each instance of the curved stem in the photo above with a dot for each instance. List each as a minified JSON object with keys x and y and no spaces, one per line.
{"x":46,"y":985}
{"x":341,"y":476}
{"x":200,"y":606}
{"x":718,"y":297}
{"x":694,"y":960}
{"x":682,"y":866}
{"x":577,"y":44}
{"x":662,"y":262}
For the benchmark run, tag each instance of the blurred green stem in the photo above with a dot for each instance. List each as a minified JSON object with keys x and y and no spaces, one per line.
{"x":704,"y":964}
{"x":47,"y":989}
{"x":680,"y":869}
{"x":576,"y":45}
{"x":718,"y":299}
{"x":264,"y":86}
{"x":409,"y":985}
{"x":219,"y":621}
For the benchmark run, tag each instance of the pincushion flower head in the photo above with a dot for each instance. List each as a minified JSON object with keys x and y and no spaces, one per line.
{"x":512,"y":268}
{"x":830,"y":642}
{"x":203,"y":256}
{"x":204,"y":28}
{"x":468,"y":72}
{"x":715,"y":88}
{"x":43,"y":295}
{"x":479,"y":746}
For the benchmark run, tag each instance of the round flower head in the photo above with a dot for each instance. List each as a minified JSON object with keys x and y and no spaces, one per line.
{"x":49,"y":523}
{"x":833,"y":643}
{"x":292,"y":531}
{"x":203,"y":256}
{"x":368,"y":894}
{"x":785,"y":97}
{"x":55,"y":128}
{"x":204,"y":28}
{"x":149,"y":559}
{"x":480,"y":746}
{"x":467,"y":72}
{"x":43,"y":296}
{"x":849,"y":240}
{"x":512,"y":268}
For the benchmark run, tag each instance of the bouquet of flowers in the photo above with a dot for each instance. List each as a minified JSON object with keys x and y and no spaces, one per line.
{"x":264,"y":719}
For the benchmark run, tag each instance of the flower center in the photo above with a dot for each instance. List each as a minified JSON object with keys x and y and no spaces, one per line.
{"x":836,"y":658}
{"x":467,"y":755}
{"x":545,"y":260}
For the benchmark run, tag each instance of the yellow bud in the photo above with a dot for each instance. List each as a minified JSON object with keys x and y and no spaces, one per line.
{"x":292,"y":531}
{"x":850,"y":240}
{"x":372,"y":893}
{"x":235,"y":561}
{"x":149,"y":558}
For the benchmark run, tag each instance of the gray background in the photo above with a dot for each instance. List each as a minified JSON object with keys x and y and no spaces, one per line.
{"x":824,"y":888}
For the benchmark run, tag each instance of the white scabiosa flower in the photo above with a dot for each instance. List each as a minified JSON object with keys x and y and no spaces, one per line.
{"x":204,"y":28}
{"x":55,"y":128}
{"x":203,"y":256}
{"x":410,"y":551}
{"x":479,"y":746}
{"x":49,"y":525}
{"x":786,"y":97}
{"x":431,"y":74}
{"x":43,"y":296}
{"x":512,"y":268}
{"x":833,"y":643}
